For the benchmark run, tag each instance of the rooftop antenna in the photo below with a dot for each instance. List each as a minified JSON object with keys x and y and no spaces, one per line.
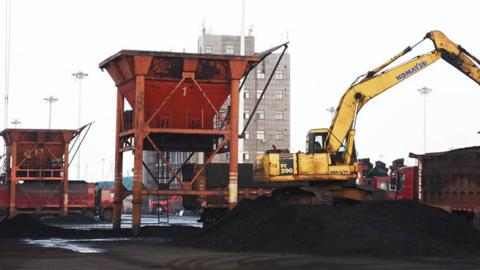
{"x":203,"y":27}
{"x":241,"y":100}
{"x":242,"y":30}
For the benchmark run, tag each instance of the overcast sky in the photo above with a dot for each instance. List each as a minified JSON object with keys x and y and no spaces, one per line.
{"x":331,"y":43}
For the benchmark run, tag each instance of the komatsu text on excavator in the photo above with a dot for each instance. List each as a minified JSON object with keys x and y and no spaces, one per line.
{"x":329,"y":165}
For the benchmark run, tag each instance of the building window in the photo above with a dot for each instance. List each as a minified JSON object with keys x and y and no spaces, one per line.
{"x":279,"y":74}
{"x":279,"y":135}
{"x":260,"y":73}
{"x":279,"y":94}
{"x":246,"y":156}
{"x":208,"y":49}
{"x":229,"y":49}
{"x":278,"y":115}
{"x":259,"y":93}
{"x":246,"y":136}
{"x":246,"y":94}
{"x":246,"y":114}
{"x":261,"y":114}
{"x":261,"y":135}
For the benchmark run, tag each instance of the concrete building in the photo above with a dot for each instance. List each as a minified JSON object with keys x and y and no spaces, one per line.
{"x":271,"y":123}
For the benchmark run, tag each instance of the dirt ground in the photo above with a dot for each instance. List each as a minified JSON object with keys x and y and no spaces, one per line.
{"x":150,"y":254}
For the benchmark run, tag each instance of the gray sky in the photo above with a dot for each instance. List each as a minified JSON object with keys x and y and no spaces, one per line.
{"x":331,"y":44}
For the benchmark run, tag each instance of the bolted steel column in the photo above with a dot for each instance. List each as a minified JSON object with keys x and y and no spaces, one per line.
{"x":13,"y":180}
{"x":118,"y":190}
{"x":233,"y":144}
{"x":65,"y":179}
{"x":237,"y":68}
{"x":138,"y":154}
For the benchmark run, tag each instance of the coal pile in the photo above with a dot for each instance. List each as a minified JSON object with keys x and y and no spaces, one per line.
{"x":380,"y":228}
{"x":25,"y":226}
{"x":70,"y":219}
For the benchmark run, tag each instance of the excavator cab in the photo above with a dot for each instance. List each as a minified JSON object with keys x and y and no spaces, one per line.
{"x":316,"y":141}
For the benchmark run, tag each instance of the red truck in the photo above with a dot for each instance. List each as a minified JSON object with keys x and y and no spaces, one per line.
{"x":104,"y":203}
{"x":46,"y":197}
{"x":402,"y":184}
{"x":449,"y":180}
{"x":171,"y":205}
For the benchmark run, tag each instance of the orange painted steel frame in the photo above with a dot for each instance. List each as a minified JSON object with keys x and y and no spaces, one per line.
{"x":36,"y":154}
{"x":175,"y":100}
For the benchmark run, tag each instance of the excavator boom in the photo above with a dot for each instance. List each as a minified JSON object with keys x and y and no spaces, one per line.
{"x":377,"y":81}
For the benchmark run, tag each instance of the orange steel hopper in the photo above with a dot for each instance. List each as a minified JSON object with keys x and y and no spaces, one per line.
{"x":37,"y":155}
{"x":175,"y":100}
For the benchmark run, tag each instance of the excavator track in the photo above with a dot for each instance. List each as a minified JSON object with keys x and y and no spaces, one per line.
{"x":328,"y":194}
{"x":375,"y":193}
{"x":303,"y":196}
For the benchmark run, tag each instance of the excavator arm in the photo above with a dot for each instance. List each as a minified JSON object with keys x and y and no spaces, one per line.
{"x":377,"y":81}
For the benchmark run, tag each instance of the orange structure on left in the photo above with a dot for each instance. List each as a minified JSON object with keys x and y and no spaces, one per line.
{"x":37,"y":155}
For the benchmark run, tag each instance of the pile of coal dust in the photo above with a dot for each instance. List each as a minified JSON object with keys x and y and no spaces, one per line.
{"x":380,"y":228}
{"x":26,"y":226}
{"x":70,"y":219}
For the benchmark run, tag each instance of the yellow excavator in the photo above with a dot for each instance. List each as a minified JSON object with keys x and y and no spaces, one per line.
{"x":329,"y":166}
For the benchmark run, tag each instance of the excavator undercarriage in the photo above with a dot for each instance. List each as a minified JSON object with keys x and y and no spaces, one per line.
{"x":328,"y":194}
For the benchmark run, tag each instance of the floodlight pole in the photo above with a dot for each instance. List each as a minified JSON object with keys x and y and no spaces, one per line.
{"x":79,"y":76}
{"x":331,"y":110}
{"x":424,"y":91}
{"x":50,"y":100}
{"x":15,"y":122}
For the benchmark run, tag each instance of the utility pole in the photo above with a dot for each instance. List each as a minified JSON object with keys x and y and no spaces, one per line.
{"x":424,"y":91}
{"x":79,"y":76}
{"x":50,"y":100}
{"x":8,"y":7}
{"x":15,"y":122}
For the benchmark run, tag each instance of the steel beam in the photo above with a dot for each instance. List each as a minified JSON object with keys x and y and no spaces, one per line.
{"x":236,"y":69}
{"x":187,"y":131}
{"x":217,"y":192}
{"x":209,"y":160}
{"x":13,"y":180}
{"x":138,"y":154}
{"x":65,"y":179}
{"x":233,"y":144}
{"x":117,"y":195}
{"x":162,"y":157}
